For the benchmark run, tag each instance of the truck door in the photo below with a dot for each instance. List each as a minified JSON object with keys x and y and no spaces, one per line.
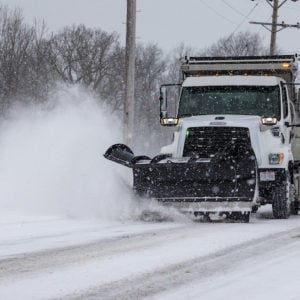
{"x":286,"y":131}
{"x":295,"y":119}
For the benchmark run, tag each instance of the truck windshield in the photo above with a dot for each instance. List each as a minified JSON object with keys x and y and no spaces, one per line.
{"x":233,"y":100}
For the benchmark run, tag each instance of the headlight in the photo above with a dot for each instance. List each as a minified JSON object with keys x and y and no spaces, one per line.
{"x":276,"y":158}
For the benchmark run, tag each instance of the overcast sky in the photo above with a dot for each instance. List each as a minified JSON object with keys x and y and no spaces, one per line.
{"x":197,"y":23}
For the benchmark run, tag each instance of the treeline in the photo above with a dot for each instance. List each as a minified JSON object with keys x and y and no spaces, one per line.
{"x":33,"y":61}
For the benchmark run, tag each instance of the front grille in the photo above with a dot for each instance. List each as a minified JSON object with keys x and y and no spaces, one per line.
{"x":207,"y":141}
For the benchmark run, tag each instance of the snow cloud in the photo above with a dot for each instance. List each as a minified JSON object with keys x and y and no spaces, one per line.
{"x":51,"y":160}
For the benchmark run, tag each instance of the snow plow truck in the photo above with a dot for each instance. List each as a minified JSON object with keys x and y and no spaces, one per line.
{"x":236,"y":142}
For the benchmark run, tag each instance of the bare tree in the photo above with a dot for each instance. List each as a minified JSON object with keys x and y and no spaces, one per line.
{"x":173,"y":70}
{"x":240,"y":44}
{"x":15,"y":40}
{"x":25,"y":72}
{"x":113,"y":91}
{"x":90,"y":57}
{"x":41,"y":76}
{"x":150,"y":69}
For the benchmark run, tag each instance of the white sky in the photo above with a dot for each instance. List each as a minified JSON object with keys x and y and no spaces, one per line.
{"x":197,"y":23}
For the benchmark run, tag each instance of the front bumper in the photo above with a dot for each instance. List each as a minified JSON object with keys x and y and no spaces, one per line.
{"x":210,"y":205}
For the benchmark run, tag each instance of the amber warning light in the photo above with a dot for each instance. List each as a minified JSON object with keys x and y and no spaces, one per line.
{"x":285,"y":65}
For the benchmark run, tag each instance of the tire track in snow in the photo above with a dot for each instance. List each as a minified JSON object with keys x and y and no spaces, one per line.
{"x":201,"y":268}
{"x":19,"y":265}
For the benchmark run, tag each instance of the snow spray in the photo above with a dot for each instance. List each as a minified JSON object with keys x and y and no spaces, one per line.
{"x":51,"y":160}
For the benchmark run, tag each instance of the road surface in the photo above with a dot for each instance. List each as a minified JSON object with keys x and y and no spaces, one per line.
{"x":60,"y":258}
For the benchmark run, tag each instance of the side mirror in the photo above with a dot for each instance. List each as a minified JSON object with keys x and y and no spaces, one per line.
{"x":163,"y":102}
{"x":169,"y":121}
{"x":267,"y":123}
{"x":166,"y":107}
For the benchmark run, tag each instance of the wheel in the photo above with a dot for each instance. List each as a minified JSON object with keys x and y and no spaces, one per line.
{"x":240,"y":216}
{"x":294,"y":207}
{"x":245,"y":217}
{"x":293,"y":201}
{"x":281,"y":202}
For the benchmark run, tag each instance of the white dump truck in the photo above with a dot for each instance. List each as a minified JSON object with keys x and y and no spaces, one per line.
{"x":236,"y":144}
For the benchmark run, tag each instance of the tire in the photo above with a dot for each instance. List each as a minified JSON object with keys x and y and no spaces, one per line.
{"x":293,"y":201}
{"x":245,"y":218}
{"x":281,"y":202}
{"x":294,"y":208}
{"x":240,"y":217}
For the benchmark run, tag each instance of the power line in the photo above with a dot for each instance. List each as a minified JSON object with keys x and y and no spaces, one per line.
{"x":233,"y":8}
{"x":293,"y":7}
{"x":246,"y":17}
{"x":216,"y":12}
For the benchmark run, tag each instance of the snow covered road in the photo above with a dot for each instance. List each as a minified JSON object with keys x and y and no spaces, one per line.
{"x":51,"y":258}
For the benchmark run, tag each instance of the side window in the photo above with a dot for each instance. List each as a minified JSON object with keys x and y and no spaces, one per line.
{"x":284,"y":101}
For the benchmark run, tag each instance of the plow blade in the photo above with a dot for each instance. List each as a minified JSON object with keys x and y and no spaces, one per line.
{"x":123,"y":155}
{"x":226,"y":181}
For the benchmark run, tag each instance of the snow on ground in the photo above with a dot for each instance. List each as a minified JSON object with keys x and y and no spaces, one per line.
{"x":38,"y":234}
{"x":267,"y":278}
{"x":271,"y":271}
{"x":69,"y":227}
{"x":68,"y":258}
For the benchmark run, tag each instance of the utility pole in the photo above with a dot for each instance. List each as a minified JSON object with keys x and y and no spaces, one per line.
{"x":130,"y":70}
{"x":276,"y":5}
{"x":274,"y":28}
